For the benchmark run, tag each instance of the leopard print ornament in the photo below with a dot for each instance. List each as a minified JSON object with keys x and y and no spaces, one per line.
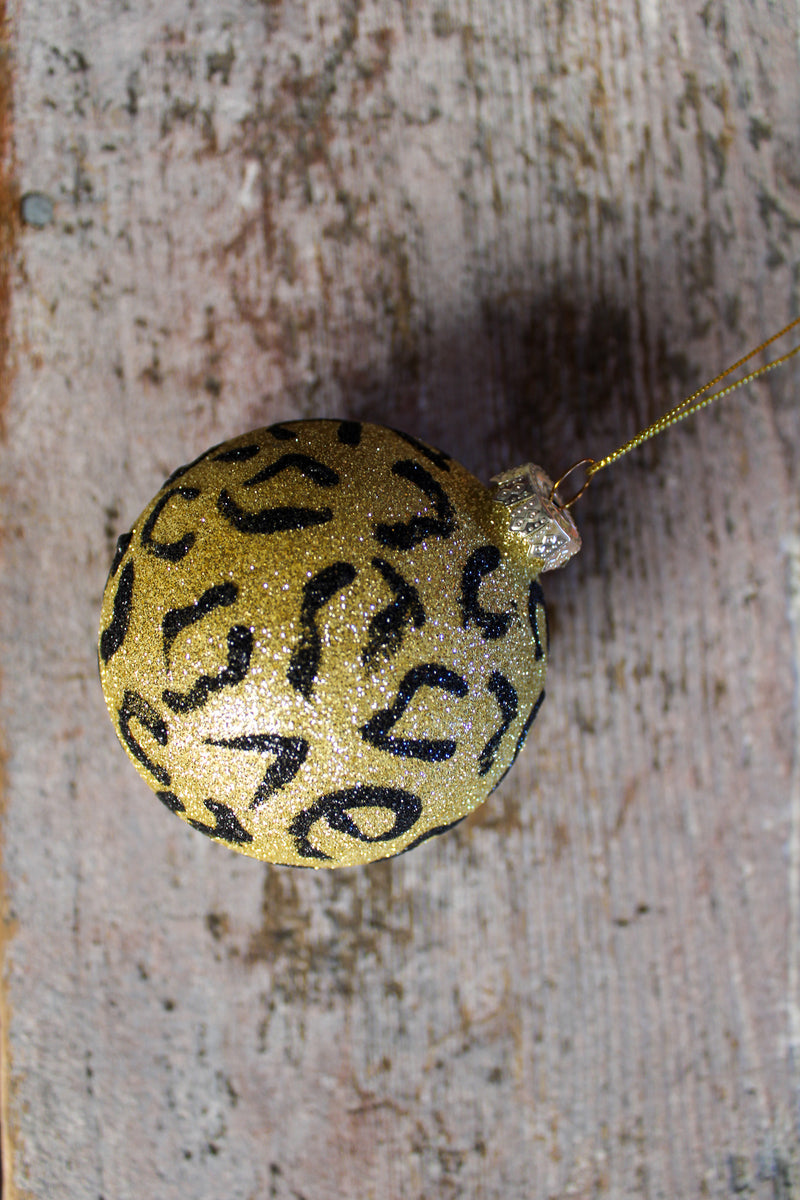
{"x":324,"y":642}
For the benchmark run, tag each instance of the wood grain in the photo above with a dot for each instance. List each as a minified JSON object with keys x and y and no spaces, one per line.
{"x":517,"y":230}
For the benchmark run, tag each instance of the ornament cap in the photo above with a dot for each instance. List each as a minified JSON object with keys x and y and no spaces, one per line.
{"x":548,"y":531}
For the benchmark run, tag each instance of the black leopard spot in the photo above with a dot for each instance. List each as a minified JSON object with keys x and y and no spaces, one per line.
{"x":430,"y":833}
{"x":535,"y":602}
{"x":135,"y":707}
{"x":522,"y":737}
{"x":508,"y":700}
{"x":240,"y":648}
{"x":317,"y":592}
{"x":387,"y":628}
{"x":377,"y":728}
{"x":238,"y":454}
{"x":437,"y":457}
{"x":112,"y":638}
{"x":492,"y":625}
{"x":349,"y":433}
{"x":405,"y":535}
{"x":226,"y":827}
{"x":290,"y":754}
{"x":310,"y":468}
{"x":178,"y":619}
{"x":123,"y":541}
{"x":171,"y":551}
{"x":334,"y":807}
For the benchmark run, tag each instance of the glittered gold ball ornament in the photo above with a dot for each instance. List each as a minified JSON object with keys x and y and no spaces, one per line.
{"x":324,"y":642}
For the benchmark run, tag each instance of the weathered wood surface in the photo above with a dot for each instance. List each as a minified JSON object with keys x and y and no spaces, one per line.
{"x":517,"y":230}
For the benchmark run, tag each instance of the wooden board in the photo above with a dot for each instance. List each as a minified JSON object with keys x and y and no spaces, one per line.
{"x":520,"y":231}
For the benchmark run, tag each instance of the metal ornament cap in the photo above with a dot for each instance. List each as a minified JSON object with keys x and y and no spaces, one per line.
{"x":548,"y":531}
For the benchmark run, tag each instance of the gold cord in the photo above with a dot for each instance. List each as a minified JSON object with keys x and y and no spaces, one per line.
{"x":686,"y":408}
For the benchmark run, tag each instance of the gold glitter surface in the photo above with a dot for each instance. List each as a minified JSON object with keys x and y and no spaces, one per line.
{"x":281,"y":612}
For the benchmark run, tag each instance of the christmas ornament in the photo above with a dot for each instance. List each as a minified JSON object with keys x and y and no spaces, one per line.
{"x":324,"y":642}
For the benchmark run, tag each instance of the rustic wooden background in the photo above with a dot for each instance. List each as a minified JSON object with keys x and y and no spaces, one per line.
{"x":518,"y":230}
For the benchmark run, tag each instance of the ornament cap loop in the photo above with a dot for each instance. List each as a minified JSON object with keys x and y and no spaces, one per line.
{"x":548,"y":531}
{"x":590,"y":465}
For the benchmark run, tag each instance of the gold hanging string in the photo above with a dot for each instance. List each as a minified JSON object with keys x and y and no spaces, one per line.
{"x":686,"y":408}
